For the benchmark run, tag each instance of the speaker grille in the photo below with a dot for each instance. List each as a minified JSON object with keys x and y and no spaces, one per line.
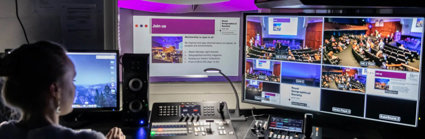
{"x":136,"y":86}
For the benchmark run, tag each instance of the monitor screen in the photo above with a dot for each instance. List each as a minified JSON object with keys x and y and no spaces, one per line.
{"x":96,"y":80}
{"x":181,"y":47}
{"x":360,"y":67}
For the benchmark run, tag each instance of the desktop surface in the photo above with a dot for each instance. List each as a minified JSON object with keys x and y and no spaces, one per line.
{"x":332,"y":127}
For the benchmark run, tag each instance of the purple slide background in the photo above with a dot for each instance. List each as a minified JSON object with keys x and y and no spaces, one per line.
{"x":126,"y":42}
{"x":183,"y":26}
{"x":281,"y":20}
{"x":395,"y":75}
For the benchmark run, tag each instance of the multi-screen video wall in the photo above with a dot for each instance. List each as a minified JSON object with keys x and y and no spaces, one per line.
{"x":364,"y":67}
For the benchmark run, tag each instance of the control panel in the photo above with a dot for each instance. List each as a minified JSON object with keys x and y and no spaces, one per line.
{"x":191,"y":120}
{"x":276,"y":127}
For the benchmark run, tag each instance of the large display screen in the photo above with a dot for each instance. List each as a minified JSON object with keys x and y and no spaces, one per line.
{"x":362,"y":67}
{"x":185,"y":46}
{"x":96,"y":80}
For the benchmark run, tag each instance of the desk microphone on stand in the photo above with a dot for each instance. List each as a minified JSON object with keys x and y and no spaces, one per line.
{"x":235,"y":116}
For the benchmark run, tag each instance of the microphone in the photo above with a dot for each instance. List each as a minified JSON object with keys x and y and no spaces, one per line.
{"x":236,"y":116}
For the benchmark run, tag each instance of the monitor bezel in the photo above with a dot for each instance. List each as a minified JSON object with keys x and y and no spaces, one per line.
{"x":117,"y":58}
{"x":420,"y":108}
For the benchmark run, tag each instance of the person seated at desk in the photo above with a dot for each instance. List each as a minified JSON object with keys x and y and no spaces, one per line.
{"x":290,"y":55}
{"x":328,"y":45}
{"x":281,"y":48}
{"x":335,"y":47}
{"x":309,"y":58}
{"x":381,"y":44}
{"x":258,"y":44}
{"x":325,"y":84}
{"x":251,"y":41}
{"x":341,"y":46}
{"x":332,"y":57}
{"x":268,"y":56}
{"x":40,"y":83}
{"x":379,"y":54}
{"x":317,"y":56}
{"x":402,"y":47}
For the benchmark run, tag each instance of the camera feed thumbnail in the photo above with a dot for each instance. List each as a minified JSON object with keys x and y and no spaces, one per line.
{"x":253,"y":90}
{"x":262,"y":91}
{"x":265,"y":70}
{"x":380,"y":43}
{"x":301,"y":74}
{"x":284,"y":38}
{"x":343,"y":78}
{"x":382,"y":84}
{"x":167,"y":49}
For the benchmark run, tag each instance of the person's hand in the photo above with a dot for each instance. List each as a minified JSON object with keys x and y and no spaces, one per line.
{"x":115,"y":133}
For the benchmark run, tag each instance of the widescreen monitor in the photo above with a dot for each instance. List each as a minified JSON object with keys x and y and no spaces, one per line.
{"x":96,"y":80}
{"x":188,"y":45}
{"x":365,"y":67}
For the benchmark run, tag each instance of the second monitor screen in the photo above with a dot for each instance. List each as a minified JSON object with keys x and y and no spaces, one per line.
{"x":96,"y":79}
{"x":339,"y":65}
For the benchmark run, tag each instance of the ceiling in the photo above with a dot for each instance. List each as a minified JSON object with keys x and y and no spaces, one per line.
{"x":226,"y":6}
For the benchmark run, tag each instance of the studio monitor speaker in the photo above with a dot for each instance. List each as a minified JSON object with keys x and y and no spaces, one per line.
{"x":135,"y":88}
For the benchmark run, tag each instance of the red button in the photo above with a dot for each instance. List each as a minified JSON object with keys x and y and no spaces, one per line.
{"x":195,"y":110}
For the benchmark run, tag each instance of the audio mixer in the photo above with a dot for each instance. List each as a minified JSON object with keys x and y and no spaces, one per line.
{"x":191,"y":120}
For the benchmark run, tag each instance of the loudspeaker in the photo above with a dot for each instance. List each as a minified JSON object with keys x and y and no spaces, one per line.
{"x":308,"y":125}
{"x":135,"y":88}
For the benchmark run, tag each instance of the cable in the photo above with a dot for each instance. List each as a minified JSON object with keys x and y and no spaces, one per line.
{"x":252,"y":112}
{"x":253,"y":115}
{"x":20,"y":22}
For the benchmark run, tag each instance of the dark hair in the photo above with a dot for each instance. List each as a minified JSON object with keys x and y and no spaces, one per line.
{"x":29,"y":71}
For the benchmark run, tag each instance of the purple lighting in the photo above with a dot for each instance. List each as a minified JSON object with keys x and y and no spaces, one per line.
{"x":229,"y":6}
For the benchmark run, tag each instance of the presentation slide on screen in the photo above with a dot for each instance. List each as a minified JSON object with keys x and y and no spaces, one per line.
{"x":181,"y":46}
{"x":403,"y":85}
{"x":417,"y":25}
{"x":283,"y":25}
{"x":298,"y":96}
{"x":270,"y":97}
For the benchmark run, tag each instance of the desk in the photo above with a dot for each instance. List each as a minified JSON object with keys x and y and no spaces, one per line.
{"x":133,"y":132}
{"x":332,"y":127}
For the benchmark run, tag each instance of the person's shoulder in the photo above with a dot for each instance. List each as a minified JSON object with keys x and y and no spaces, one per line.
{"x":7,"y":125}
{"x":9,"y":130}
{"x":4,"y":123}
{"x":80,"y":134}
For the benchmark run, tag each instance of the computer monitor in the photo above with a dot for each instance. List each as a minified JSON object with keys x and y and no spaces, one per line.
{"x":97,"y":84}
{"x":366,"y":67}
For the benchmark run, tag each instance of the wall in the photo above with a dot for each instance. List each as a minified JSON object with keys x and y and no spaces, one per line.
{"x":45,"y":20}
{"x":407,"y":28}
{"x":11,"y":35}
{"x":336,"y":27}
{"x":313,"y":35}
{"x":125,"y":30}
{"x":252,"y":29}
{"x":248,"y":66}
{"x":183,"y":91}
{"x":276,"y":69}
{"x":387,"y":29}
